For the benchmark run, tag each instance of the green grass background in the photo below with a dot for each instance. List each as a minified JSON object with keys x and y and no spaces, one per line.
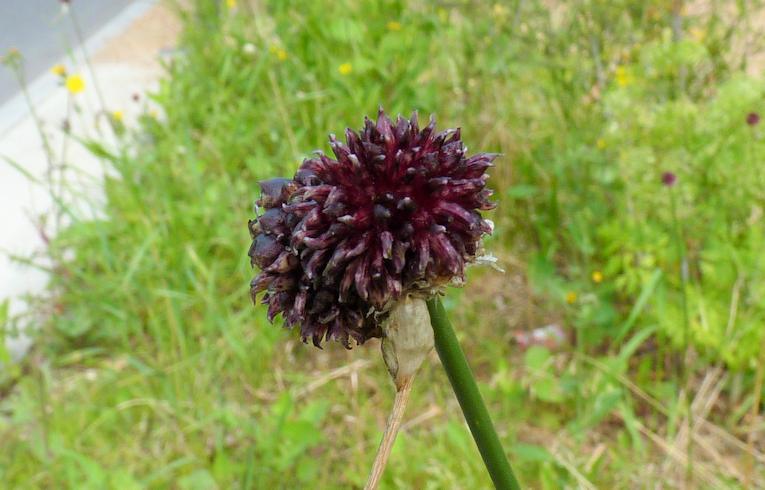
{"x":153,"y":370}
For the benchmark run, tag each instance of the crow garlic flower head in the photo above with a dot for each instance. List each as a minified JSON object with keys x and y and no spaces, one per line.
{"x":395,"y":213}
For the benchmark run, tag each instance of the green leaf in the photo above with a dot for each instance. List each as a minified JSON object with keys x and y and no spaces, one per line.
{"x":307,"y":469}
{"x":536,"y":357}
{"x":346,"y":30}
{"x":601,"y":407}
{"x":548,"y":390}
{"x":637,"y":308}
{"x":99,"y":150}
{"x":631,"y":423}
{"x":531,"y":453}
{"x":223,"y":467}
{"x":635,"y":342}
{"x":200,"y":479}
{"x":123,"y":480}
{"x":521,"y":191}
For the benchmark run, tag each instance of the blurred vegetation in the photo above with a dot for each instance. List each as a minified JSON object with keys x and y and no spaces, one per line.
{"x":154,"y":370}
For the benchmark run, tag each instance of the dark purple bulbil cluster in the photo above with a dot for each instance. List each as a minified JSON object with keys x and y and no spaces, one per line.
{"x":396,"y":212}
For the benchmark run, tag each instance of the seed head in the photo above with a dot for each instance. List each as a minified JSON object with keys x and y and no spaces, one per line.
{"x":396,"y":212}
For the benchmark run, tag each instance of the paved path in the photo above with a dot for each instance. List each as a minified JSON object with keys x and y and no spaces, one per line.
{"x":44,"y":35}
{"x":125,"y":58}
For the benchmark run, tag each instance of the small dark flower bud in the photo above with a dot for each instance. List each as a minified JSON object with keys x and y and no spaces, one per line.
{"x":275,"y":191}
{"x":381,"y":212}
{"x":284,"y":262}
{"x":406,"y":230}
{"x":261,"y":282}
{"x":272,"y":222}
{"x":406,"y":204}
{"x":668,"y":179}
{"x":264,"y":250}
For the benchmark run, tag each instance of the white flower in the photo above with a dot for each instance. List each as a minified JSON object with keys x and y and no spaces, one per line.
{"x":249,"y":49}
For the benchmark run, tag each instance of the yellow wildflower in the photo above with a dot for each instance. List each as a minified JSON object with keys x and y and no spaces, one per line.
{"x":571,"y":297}
{"x":345,"y":69}
{"x":601,"y":143}
{"x":500,"y":11}
{"x":697,"y":34}
{"x":394,"y":26}
{"x":622,"y":76}
{"x":59,"y":70}
{"x":75,"y":84}
{"x":231,"y":4}
{"x":597,"y":277}
{"x":281,"y":53}
{"x":118,"y":116}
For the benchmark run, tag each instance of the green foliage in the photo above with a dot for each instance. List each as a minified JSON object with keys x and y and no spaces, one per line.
{"x":156,"y":372}
{"x":4,"y":328}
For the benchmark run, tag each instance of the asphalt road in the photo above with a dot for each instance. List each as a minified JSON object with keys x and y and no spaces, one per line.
{"x":43,"y":35}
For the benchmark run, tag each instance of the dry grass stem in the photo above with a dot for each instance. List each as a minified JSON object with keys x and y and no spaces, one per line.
{"x":389,"y":436}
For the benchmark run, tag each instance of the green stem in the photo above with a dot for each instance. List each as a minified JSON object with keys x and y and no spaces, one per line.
{"x":81,"y":40}
{"x":466,"y":389}
{"x":685,"y":375}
